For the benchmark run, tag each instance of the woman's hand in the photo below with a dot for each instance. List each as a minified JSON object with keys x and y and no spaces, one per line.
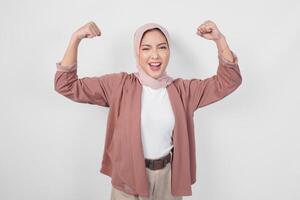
{"x":89,"y":30}
{"x":210,"y":31}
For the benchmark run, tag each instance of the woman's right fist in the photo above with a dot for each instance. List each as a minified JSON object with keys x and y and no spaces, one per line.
{"x":89,"y":30}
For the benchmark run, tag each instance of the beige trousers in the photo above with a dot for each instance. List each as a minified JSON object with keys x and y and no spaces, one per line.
{"x":159,"y":183}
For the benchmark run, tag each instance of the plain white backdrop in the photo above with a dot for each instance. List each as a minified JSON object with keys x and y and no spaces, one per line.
{"x":247,"y":144}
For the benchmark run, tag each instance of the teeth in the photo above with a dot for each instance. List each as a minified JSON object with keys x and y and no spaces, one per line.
{"x":154,"y":64}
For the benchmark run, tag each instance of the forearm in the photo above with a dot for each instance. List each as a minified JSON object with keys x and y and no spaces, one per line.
{"x":70,"y":56}
{"x":223,"y":49}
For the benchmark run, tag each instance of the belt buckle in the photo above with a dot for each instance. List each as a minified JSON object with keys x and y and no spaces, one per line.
{"x":151,"y":163}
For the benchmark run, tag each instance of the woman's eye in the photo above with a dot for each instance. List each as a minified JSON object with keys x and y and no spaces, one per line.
{"x":159,"y":47}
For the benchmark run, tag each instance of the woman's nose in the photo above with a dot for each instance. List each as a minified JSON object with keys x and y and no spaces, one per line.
{"x":154,"y":54}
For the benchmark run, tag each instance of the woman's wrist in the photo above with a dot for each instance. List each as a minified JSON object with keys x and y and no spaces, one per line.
{"x":75,"y":39}
{"x":220,"y":37}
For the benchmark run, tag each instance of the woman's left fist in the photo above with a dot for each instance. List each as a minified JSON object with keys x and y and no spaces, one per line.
{"x":209,"y":30}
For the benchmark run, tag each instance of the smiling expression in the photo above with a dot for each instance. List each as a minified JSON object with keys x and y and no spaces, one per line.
{"x":154,"y":53}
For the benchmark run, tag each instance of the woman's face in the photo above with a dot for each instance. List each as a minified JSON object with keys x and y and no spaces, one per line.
{"x":154,"y":53}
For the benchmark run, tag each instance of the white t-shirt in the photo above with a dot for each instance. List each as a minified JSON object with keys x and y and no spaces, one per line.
{"x":157,"y":122}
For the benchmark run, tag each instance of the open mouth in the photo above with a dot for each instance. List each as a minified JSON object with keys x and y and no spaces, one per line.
{"x":155,"y":66}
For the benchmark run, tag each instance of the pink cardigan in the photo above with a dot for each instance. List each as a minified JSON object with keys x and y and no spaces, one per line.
{"x":123,"y":157}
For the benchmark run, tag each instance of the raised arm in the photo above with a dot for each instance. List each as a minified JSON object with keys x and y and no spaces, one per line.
{"x":93,"y":90}
{"x":228,"y":77}
{"x":69,"y":60}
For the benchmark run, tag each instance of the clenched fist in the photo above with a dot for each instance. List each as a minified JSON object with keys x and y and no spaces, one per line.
{"x":209,"y":30}
{"x":89,"y":30}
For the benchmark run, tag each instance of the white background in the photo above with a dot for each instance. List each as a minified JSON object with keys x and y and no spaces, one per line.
{"x":247,"y":144}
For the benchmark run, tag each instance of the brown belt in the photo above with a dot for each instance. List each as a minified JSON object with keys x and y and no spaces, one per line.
{"x":158,"y":163}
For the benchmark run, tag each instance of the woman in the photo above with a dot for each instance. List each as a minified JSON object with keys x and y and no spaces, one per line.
{"x":149,"y":149}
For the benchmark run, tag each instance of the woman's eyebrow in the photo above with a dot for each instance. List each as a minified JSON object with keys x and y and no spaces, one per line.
{"x":150,"y":45}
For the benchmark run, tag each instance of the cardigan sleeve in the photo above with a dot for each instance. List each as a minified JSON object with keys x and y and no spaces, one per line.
{"x":96,"y":90}
{"x":202,"y":92}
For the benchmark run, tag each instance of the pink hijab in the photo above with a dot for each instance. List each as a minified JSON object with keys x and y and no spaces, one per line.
{"x":143,"y":77}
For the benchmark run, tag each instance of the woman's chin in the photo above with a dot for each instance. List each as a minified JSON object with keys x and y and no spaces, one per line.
{"x":155,"y":74}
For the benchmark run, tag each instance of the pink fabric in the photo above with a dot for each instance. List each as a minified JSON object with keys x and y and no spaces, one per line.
{"x":143,"y":77}
{"x":71,"y":67}
{"x":123,"y":156}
